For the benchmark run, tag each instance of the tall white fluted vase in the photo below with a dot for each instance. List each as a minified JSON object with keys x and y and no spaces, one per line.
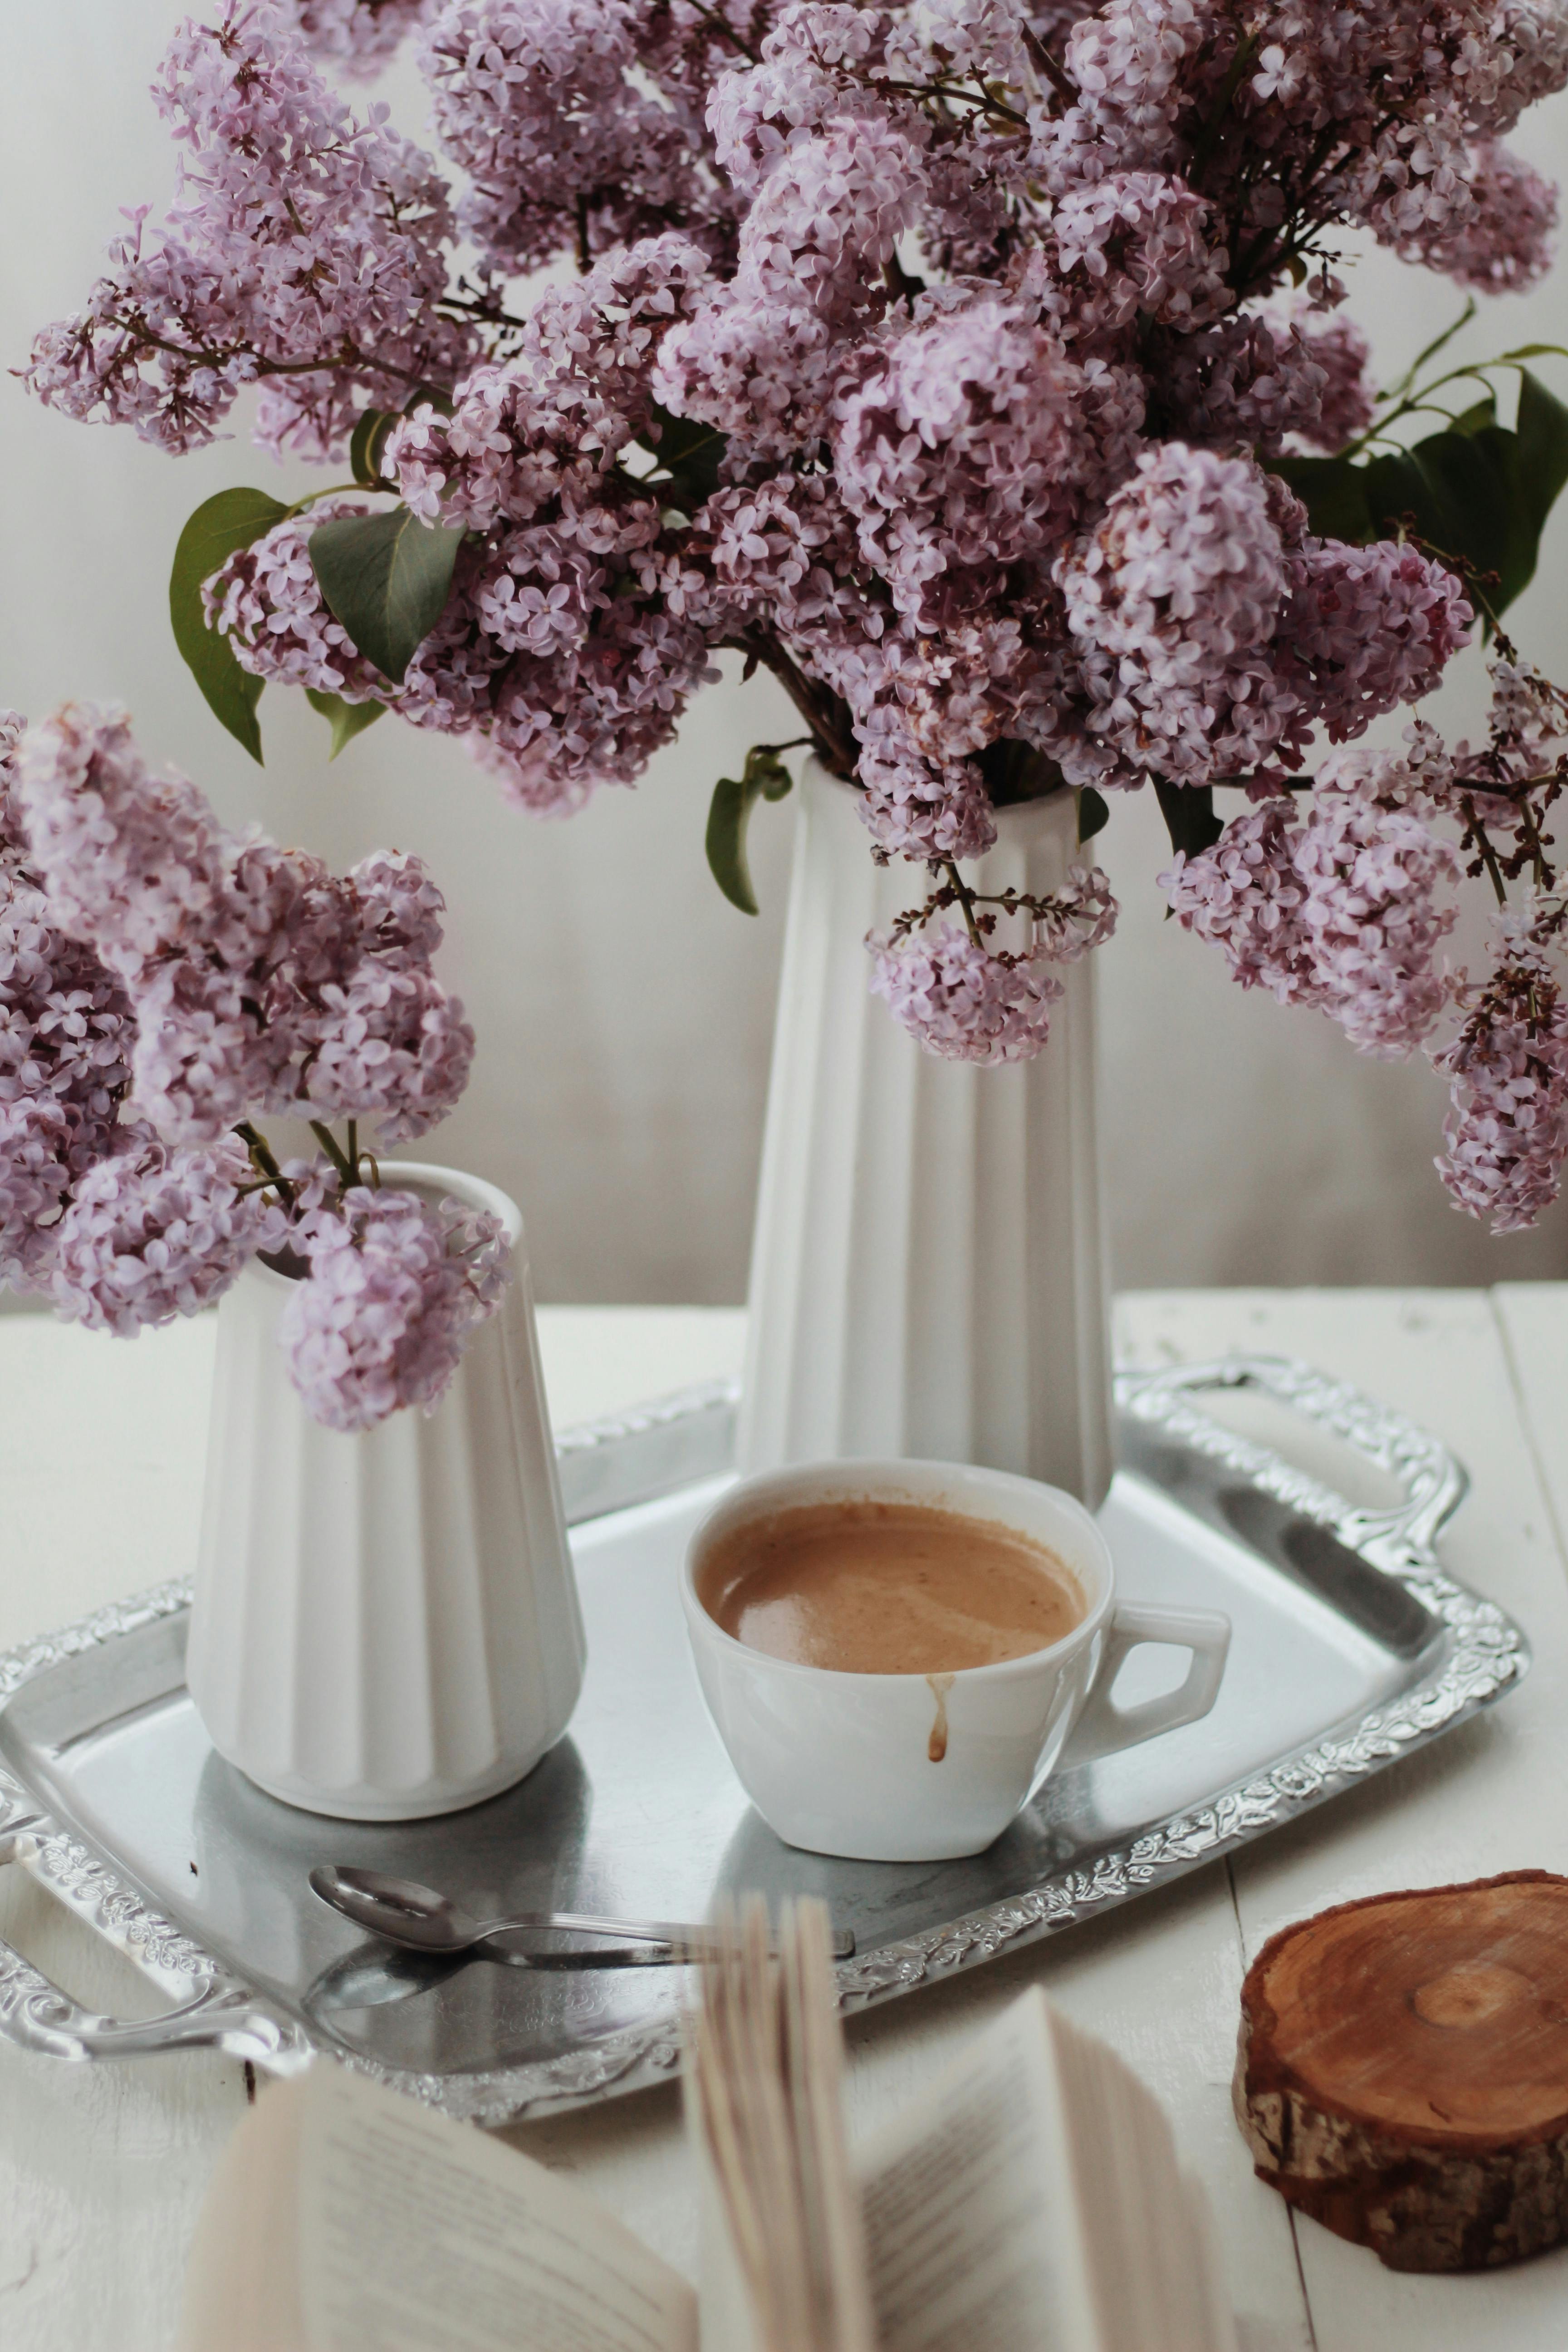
{"x":928,"y":1271}
{"x":386,"y":1624}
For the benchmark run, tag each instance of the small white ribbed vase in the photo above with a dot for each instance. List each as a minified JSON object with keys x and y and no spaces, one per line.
{"x":386,"y":1624}
{"x":928,"y":1274}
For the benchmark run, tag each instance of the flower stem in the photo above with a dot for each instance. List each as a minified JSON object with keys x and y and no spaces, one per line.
{"x":262,"y":1161}
{"x":1487,"y":854}
{"x":965,"y":898}
{"x":334,"y":1153}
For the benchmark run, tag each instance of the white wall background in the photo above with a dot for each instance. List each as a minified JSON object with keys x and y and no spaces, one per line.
{"x":624,"y":1009}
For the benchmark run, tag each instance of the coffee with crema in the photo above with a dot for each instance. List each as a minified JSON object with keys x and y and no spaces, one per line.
{"x":881,"y":1588}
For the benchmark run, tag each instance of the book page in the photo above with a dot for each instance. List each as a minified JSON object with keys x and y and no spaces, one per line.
{"x":242,"y":2280}
{"x":728,"y":2304}
{"x":967,"y":2211}
{"x":1145,"y":2224}
{"x":417,"y":2234}
{"x":813,"y":2042}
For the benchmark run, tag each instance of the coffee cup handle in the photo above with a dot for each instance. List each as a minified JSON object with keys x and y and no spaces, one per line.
{"x":1104,"y":1728}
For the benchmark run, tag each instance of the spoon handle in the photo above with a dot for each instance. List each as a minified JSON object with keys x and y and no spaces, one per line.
{"x":690,"y":1942}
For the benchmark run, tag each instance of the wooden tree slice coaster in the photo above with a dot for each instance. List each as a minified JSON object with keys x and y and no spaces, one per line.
{"x":1403,"y":2072}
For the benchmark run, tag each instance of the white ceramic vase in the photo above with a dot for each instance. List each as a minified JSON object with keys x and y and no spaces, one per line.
{"x":928,"y":1272}
{"x":386,"y":1624}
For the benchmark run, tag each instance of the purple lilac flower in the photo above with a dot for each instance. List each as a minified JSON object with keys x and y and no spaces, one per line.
{"x":153,"y":1232}
{"x":1179,"y":589}
{"x":797,"y":86}
{"x":37,"y":1139}
{"x":1243,"y":893}
{"x":257,"y":981}
{"x":1344,"y":911}
{"x":983,"y":368}
{"x":66,"y":1031}
{"x":964,"y":451}
{"x":297,"y":234}
{"x":538,"y":104}
{"x":267,"y":601}
{"x":1263,"y":380}
{"x":1375,"y":625}
{"x":130,"y":861}
{"x":354,"y":37}
{"x":395,"y":1287}
{"x":1075,"y":920}
{"x":1505,"y":240}
{"x":964,"y":1002}
{"x":760,"y":356}
{"x":1375,"y":908}
{"x":1133,"y":244}
{"x":391,"y":1046}
{"x":1507,"y":1130}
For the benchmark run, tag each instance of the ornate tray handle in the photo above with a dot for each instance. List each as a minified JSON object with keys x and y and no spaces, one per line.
{"x":217,"y":2013}
{"x":1399,"y":1538}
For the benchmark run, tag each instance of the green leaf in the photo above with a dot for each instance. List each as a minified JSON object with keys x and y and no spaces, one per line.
{"x":1464,"y":493}
{"x":1333,"y":492}
{"x":1455,"y":485}
{"x":369,"y":441}
{"x":429,"y":396}
{"x":347,"y":718}
{"x":1093,"y":814}
{"x":232,"y":519}
{"x":1476,"y":492}
{"x":1476,"y":419}
{"x":1188,"y":811}
{"x":1016,"y":772}
{"x":765,"y":778}
{"x":689,"y":453}
{"x":1542,"y":434}
{"x":386,"y":578}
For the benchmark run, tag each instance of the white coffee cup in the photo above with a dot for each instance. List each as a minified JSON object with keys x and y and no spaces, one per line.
{"x":847,"y":1763}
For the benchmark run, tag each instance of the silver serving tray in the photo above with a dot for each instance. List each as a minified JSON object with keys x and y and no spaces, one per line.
{"x":1351,"y":1648}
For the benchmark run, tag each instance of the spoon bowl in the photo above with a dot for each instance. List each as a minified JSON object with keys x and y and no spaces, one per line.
{"x":400,"y":1910}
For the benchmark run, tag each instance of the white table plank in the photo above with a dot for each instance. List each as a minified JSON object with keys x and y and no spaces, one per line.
{"x":1491,"y":1797}
{"x":1534,"y":1317}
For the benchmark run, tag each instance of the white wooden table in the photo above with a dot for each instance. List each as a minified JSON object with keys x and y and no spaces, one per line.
{"x":100,"y":2168}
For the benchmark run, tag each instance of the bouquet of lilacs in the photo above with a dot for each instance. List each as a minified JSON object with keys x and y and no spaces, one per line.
{"x":961,"y":363}
{"x":162,"y":983}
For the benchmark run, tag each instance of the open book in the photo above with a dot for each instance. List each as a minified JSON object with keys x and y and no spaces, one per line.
{"x":1031,"y":2201}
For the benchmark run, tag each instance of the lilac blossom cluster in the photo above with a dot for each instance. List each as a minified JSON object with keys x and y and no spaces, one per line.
{"x":304,"y":253}
{"x":936,"y":357}
{"x":257,"y":979}
{"x":395,"y":1291}
{"x":1507,"y":1133}
{"x":163,"y":982}
{"x":1344,"y":910}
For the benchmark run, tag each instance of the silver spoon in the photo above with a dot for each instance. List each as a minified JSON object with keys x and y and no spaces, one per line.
{"x":421,"y":1920}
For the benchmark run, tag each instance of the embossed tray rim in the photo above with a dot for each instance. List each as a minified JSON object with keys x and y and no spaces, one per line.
{"x":673,"y":1441}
